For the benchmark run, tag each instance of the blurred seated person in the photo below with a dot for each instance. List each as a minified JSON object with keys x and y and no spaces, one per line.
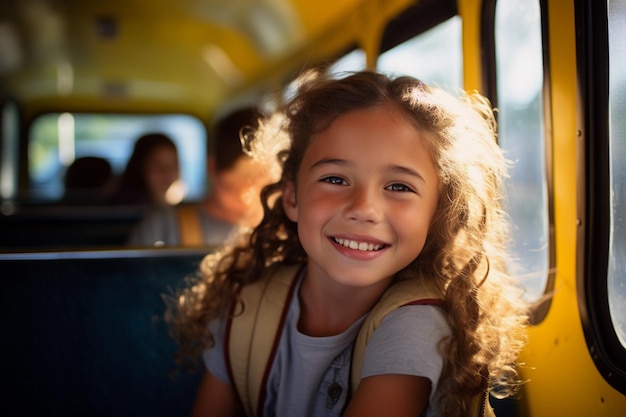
{"x":151,"y":170}
{"x":88,"y":180}
{"x":235,"y":181}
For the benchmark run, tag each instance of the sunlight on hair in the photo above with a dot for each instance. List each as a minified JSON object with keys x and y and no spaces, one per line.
{"x":264,"y":144}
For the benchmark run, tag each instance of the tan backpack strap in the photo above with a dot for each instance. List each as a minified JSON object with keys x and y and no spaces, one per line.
{"x":254,"y":332}
{"x":400,"y":294}
{"x":189,"y":227}
{"x":481,"y":407}
{"x":397,"y":295}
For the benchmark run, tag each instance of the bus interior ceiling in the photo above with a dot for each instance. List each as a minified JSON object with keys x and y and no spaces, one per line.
{"x":190,"y":56}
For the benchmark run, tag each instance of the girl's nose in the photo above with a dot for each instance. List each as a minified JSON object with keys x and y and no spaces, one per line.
{"x":364,"y":205}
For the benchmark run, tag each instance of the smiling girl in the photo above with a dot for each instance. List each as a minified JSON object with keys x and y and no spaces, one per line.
{"x":388,"y":188}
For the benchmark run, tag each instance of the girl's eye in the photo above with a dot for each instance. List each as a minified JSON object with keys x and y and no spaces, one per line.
{"x":399,"y":188}
{"x":334,"y":180}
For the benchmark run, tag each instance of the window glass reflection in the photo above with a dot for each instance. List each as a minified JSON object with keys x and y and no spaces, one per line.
{"x":519,"y":67}
{"x":617,"y":153}
{"x":434,"y":56}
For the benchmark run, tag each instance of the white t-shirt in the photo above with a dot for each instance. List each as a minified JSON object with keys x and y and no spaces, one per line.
{"x":310,"y":375}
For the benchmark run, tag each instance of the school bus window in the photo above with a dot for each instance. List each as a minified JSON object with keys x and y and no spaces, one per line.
{"x":617,"y":152}
{"x":354,"y":60}
{"x":519,"y":68}
{"x":57,"y":139}
{"x":434,"y":56}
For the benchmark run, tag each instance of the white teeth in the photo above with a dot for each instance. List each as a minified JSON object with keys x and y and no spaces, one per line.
{"x":362,"y":246}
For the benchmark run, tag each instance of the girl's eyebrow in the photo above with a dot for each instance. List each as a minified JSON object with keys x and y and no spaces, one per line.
{"x":397,"y":169}
{"x":401,"y":169}
{"x":329,"y":161}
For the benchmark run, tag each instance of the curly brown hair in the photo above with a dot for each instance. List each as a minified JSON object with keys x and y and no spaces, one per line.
{"x":464,"y":255}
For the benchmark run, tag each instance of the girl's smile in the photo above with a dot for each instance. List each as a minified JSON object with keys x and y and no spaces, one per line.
{"x":365,"y":196}
{"x":359,"y":248}
{"x":358,"y":245}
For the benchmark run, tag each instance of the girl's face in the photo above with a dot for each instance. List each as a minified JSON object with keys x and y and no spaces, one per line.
{"x":161,"y":170}
{"x":366,"y":192}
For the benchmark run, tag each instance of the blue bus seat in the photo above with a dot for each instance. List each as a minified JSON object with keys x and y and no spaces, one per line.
{"x":82,"y":334}
{"x":56,"y":227}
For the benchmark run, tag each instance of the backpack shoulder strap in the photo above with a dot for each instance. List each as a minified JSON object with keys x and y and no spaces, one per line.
{"x":189,"y":228}
{"x":397,"y":295}
{"x":480,"y":406}
{"x":253,"y":332}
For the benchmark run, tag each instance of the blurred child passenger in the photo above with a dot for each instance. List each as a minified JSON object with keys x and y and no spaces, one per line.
{"x":233,"y":200}
{"x":390,"y":190}
{"x":88,"y":180}
{"x":151,"y":170}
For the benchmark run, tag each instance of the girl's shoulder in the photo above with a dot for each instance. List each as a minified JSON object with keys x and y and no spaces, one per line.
{"x":399,"y":294}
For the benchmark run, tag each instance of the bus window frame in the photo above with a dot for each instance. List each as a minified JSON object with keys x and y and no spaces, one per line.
{"x":416,"y":19}
{"x":593,"y":204}
{"x":539,"y":310}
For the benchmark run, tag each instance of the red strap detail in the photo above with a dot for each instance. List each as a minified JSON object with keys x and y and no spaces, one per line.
{"x":425,"y":301}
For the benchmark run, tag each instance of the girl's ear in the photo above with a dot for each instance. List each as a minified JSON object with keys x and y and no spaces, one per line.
{"x":289,"y":201}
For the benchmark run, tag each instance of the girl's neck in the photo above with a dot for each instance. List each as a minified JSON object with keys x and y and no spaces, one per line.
{"x":328,"y":308}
